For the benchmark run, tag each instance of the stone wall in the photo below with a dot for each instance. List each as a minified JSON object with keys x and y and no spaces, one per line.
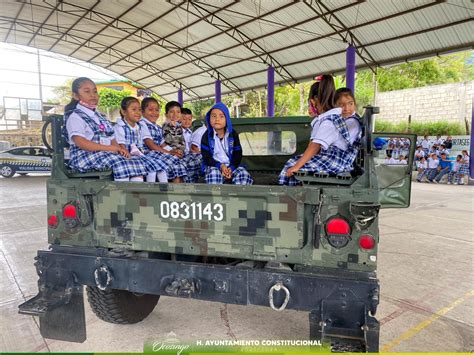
{"x":447,"y":102}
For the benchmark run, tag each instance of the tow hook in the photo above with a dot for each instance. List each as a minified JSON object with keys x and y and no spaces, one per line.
{"x":181,"y":287}
{"x":277,"y":287}
{"x":103,"y":277}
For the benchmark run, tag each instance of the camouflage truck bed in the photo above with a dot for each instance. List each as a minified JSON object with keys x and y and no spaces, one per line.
{"x":311,"y":248}
{"x":252,"y":222}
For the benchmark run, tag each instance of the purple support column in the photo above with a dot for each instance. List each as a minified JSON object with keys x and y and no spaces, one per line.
{"x":270,"y":92}
{"x":218,"y":91}
{"x":180,"y":96}
{"x":471,"y":151}
{"x":350,"y":67}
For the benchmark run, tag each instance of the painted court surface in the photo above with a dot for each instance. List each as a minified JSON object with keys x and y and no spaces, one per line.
{"x":425,"y":270}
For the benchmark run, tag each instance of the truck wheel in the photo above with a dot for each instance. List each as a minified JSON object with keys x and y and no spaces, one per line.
{"x":120,"y":307}
{"x":7,"y":171}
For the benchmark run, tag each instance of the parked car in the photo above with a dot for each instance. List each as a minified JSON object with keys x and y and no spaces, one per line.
{"x":24,"y":160}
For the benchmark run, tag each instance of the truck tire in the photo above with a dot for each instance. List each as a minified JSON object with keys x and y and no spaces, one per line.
{"x":120,"y":307}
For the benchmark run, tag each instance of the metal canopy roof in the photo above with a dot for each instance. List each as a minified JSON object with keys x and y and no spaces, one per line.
{"x":167,"y":45}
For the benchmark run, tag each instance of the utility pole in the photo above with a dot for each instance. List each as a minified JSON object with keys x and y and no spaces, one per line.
{"x":39,"y":80}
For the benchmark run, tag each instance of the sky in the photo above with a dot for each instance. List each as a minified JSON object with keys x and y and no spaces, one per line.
{"x":19,"y":72}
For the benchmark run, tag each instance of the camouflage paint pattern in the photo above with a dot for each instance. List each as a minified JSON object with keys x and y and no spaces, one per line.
{"x":258,"y":222}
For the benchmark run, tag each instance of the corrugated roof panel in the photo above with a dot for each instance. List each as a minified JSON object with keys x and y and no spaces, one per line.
{"x":295,"y":47}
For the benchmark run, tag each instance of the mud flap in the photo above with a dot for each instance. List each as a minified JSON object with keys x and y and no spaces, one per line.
{"x":345,"y":326}
{"x":59,"y":305}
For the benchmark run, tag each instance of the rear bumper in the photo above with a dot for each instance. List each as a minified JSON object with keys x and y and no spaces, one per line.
{"x":226,"y":284}
{"x":339,"y":307}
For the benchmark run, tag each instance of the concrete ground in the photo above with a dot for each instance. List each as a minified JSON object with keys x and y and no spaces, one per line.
{"x":425,"y":270}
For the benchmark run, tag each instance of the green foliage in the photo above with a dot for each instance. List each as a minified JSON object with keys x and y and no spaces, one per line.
{"x":63,"y":92}
{"x":441,"y":128}
{"x":110,"y":99}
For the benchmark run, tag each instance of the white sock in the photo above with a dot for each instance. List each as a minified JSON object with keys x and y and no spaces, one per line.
{"x":123,"y":179}
{"x":162,"y":176}
{"x":151,"y":177}
{"x":137,"y":178}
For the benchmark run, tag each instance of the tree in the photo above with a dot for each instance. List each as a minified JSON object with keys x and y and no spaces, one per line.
{"x":110,"y":99}
{"x":63,"y":92}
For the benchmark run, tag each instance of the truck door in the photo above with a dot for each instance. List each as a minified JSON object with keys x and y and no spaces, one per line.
{"x":393,"y":158}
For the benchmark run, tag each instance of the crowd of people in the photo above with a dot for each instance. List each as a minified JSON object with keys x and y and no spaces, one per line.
{"x":433,"y":161}
{"x":137,"y":148}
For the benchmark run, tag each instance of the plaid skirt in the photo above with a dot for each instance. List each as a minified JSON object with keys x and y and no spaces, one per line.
{"x":122,"y":168}
{"x":454,"y":177}
{"x":240,"y":176}
{"x":334,"y":162}
{"x":153,"y":162}
{"x":175,"y":166}
{"x":464,"y":169}
{"x":193,"y":164}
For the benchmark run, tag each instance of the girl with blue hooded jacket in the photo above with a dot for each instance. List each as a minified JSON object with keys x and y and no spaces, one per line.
{"x":221,"y":149}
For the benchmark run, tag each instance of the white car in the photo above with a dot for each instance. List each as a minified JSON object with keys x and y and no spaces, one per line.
{"x":24,"y":160}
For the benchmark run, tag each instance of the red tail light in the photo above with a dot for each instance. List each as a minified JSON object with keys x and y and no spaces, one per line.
{"x":338,"y":225}
{"x":367,"y":242}
{"x":70,"y":211}
{"x":338,"y":232}
{"x":53,"y":221}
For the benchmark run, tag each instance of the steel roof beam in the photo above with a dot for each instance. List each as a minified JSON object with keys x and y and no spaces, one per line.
{"x":238,"y":26}
{"x":137,"y":29}
{"x":258,"y":38}
{"x":190,"y":56}
{"x":311,"y":40}
{"x":43,"y":23}
{"x":383,"y":62}
{"x":153,"y":40}
{"x":247,"y":42}
{"x":109,"y":24}
{"x":75,"y":39}
{"x":86,"y":12}
{"x":16,"y":18}
{"x":354,"y":40}
{"x":178,"y":48}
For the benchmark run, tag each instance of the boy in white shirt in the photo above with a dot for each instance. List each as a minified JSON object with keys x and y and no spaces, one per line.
{"x":432,"y":169}
{"x":192,"y":160}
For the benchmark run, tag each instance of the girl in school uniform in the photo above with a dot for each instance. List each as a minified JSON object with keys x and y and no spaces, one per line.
{"x":464,"y":167}
{"x":346,"y":101}
{"x":421,"y":165}
{"x":91,"y":136}
{"x":150,"y":113}
{"x":330,"y":149}
{"x":131,"y":135}
{"x":454,"y":177}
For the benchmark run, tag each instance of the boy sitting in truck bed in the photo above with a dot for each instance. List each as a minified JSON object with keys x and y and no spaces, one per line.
{"x":221,"y":149}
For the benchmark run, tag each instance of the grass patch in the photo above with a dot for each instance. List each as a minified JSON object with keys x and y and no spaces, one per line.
{"x":442,"y":128}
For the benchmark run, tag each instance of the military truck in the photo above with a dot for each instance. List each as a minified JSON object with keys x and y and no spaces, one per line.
{"x":310,"y":248}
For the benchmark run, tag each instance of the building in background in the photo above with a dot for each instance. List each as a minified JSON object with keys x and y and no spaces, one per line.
{"x":136,"y":89}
